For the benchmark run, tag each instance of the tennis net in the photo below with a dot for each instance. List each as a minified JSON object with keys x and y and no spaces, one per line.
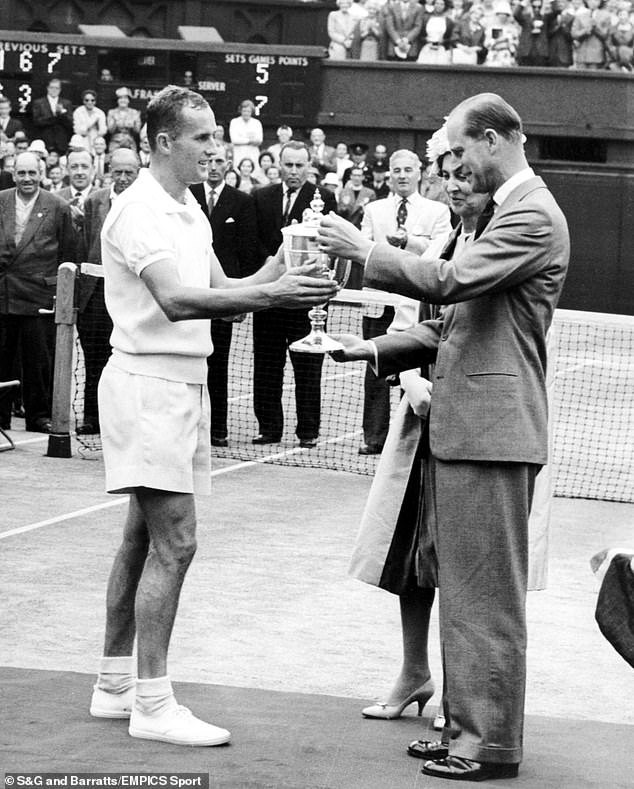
{"x":593,"y":442}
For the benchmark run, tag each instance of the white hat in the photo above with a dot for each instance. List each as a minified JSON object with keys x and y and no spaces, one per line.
{"x":331,"y":178}
{"x":77,"y":141}
{"x":502,"y":7}
{"x":38,"y":146}
{"x":119,"y":92}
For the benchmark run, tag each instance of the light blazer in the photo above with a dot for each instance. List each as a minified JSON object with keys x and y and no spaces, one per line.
{"x":424,"y":218}
{"x":28,"y":271}
{"x":96,"y":207}
{"x":234,"y":229}
{"x":489,"y":346}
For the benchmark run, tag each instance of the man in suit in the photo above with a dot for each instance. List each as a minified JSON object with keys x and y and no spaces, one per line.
{"x":487,"y":425}
{"x":231,"y":214}
{"x":8,"y":125}
{"x":354,"y":197}
{"x":93,"y":322}
{"x":35,"y":238}
{"x":53,"y":117}
{"x":403,"y":23}
{"x":322,"y":156}
{"x":80,"y":172}
{"x":407,"y":221}
{"x":276,"y":328}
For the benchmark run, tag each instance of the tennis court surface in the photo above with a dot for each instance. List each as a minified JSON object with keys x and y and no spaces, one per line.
{"x":274,"y":641}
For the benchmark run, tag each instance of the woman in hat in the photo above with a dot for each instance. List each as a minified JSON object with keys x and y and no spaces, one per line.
{"x":502,"y":37}
{"x":123,"y":120}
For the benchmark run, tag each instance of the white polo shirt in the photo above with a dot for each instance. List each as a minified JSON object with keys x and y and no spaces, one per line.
{"x":146,"y":225}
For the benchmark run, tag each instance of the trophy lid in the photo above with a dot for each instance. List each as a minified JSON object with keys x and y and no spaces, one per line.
{"x":310,"y":219}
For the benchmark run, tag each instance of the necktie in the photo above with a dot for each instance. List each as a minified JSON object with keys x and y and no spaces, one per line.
{"x":484,"y":218}
{"x":401,"y":213}
{"x":287,"y":206}
{"x":212,"y":201}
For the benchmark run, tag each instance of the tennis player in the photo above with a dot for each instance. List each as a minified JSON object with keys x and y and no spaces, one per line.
{"x":158,"y":266}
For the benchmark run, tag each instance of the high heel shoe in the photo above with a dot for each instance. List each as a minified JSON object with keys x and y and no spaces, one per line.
{"x":392,"y":711}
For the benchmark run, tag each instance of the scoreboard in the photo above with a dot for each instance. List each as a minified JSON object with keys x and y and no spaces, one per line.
{"x":282,"y":81}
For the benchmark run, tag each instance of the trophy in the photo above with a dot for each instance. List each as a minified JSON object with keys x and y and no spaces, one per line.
{"x":300,"y":247}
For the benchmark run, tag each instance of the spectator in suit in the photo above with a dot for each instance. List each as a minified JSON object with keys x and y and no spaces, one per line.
{"x":284,"y":134}
{"x":80,"y":173}
{"x":6,"y":174}
{"x":403,"y":24}
{"x":231,"y":214}
{"x":93,"y":322}
{"x":88,"y":120}
{"x":56,"y":178}
{"x":274,"y":329}
{"x":558,"y":29}
{"x":35,"y":238}
{"x":354,"y":197}
{"x":53,"y":117}
{"x":380,"y":185}
{"x":101,"y":159}
{"x":532,"y":49}
{"x":405,"y":220}
{"x":144,"y":147}
{"x":8,"y":125}
{"x":322,"y":156}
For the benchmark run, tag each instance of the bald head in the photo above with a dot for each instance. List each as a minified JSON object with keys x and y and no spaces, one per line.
{"x":27,"y":174}
{"x":124,"y":168}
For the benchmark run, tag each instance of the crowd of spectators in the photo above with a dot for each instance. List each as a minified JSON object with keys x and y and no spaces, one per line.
{"x":579,"y":34}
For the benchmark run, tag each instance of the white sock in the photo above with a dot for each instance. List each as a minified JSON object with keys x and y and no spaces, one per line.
{"x":116,"y":674}
{"x":154,"y":696}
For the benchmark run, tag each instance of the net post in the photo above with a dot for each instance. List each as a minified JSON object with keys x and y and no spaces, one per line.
{"x":65,"y":318}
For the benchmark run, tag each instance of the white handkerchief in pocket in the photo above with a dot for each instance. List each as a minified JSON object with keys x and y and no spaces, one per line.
{"x":230,"y":219}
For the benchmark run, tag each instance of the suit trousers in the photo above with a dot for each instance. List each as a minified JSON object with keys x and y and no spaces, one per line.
{"x":273,"y":331}
{"x":34,"y":337}
{"x":478,"y":517}
{"x":94,"y":328}
{"x":376,"y":401}
{"x":217,"y":376}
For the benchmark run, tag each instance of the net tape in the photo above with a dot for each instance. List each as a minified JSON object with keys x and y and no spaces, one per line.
{"x":592,"y":438}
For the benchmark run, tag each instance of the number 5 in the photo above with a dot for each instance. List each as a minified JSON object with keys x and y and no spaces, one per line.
{"x":262,"y":70}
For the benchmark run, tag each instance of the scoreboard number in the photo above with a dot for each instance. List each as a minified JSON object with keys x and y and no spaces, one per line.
{"x":26,"y":61}
{"x":260,"y":101}
{"x":25,"y":94}
{"x":53,"y":60}
{"x":262,"y":73}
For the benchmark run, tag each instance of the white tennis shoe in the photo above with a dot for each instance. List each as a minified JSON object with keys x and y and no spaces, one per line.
{"x":112,"y":705}
{"x":177,"y":726}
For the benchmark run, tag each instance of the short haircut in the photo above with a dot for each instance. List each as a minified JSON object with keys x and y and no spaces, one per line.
{"x":80,"y":151}
{"x":405,"y":152}
{"x":295,"y":145}
{"x":490,"y":111}
{"x":246,"y":103}
{"x":165,"y":111}
{"x":89,"y":93}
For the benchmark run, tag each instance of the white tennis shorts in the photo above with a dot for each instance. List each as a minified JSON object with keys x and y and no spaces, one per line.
{"x":154,"y":433}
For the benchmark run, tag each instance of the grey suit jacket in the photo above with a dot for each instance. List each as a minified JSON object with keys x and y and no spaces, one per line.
{"x":96,"y":209}
{"x":489,"y":345}
{"x":28,"y":271}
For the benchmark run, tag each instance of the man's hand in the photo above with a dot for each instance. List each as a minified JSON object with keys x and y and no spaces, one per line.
{"x":340,"y":238}
{"x":354,"y":349}
{"x":304,"y":286}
